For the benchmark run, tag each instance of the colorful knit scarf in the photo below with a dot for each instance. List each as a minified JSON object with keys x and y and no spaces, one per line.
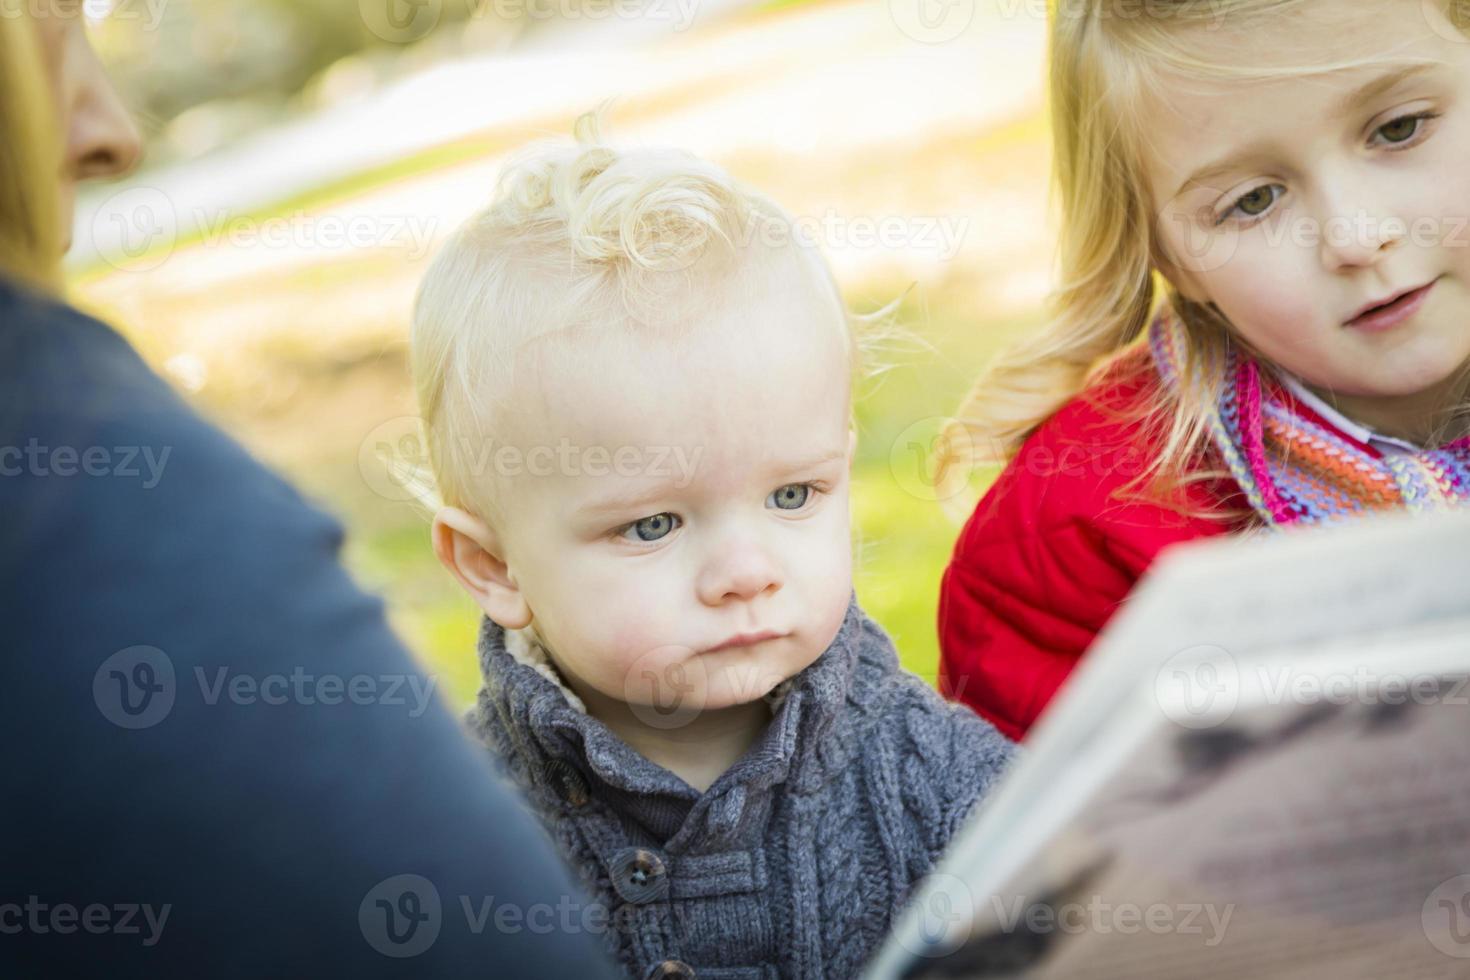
{"x":1296,"y":471}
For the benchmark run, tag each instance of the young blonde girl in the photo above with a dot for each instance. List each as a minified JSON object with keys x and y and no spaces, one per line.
{"x":1262,"y":318}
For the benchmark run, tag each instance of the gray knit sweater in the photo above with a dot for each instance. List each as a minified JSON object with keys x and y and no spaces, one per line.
{"x":796,"y":860}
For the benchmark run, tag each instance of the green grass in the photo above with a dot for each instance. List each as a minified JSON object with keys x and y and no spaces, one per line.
{"x":903,"y":545}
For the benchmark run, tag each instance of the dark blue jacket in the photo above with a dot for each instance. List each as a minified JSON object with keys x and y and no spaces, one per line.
{"x":216,"y":757}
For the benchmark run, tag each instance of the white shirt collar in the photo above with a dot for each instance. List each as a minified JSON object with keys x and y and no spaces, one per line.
{"x":1360,"y":432}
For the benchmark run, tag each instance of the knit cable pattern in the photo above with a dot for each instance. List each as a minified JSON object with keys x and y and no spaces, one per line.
{"x":798,"y":859}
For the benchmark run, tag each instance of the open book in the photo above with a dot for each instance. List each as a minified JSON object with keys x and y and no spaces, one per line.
{"x":1261,"y":769}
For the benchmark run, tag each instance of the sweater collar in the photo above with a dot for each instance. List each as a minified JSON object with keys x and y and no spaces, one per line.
{"x":544,"y":722}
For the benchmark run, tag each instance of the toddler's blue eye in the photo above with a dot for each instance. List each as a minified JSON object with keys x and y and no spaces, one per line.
{"x":653,"y":528}
{"x":793,"y":496}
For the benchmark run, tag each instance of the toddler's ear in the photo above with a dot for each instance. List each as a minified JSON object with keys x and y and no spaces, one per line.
{"x":472,"y":552}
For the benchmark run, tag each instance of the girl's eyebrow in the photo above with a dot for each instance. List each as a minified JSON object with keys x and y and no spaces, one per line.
{"x":1368,"y":91}
{"x":1381,"y":84}
{"x":1220,"y":167}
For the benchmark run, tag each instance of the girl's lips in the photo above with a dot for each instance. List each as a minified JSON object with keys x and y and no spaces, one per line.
{"x":1390,"y":316}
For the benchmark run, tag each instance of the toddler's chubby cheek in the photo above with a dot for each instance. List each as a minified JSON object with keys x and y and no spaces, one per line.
{"x":648,"y":669}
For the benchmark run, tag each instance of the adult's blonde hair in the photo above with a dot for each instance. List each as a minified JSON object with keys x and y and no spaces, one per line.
{"x":1110,"y":62}
{"x":31,"y":236}
{"x":625,"y":241}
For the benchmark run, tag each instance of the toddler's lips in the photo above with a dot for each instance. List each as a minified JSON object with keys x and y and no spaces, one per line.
{"x":745,"y":640}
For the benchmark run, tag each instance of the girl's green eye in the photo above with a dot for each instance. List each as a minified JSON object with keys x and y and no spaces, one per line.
{"x":1252,"y":205}
{"x":793,"y":496}
{"x":653,"y":528}
{"x":1257,"y":201}
{"x":1405,"y":127}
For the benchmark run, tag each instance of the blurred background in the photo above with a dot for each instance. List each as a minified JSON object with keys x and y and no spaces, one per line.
{"x":305,"y":158}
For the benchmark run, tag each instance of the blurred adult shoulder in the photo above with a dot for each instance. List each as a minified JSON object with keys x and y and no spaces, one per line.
{"x":218,"y":739}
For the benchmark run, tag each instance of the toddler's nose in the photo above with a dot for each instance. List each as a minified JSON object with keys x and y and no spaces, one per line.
{"x":741,"y":570}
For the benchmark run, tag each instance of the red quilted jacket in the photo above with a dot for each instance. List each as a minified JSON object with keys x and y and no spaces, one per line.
{"x":1049,"y":554}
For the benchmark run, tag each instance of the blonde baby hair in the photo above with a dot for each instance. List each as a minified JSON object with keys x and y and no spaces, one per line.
{"x":1106,"y":69}
{"x":581,"y":235}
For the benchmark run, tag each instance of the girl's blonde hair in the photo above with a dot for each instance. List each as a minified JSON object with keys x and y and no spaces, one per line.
{"x":1107,"y":72}
{"x":31,"y":235}
{"x":577,"y":236}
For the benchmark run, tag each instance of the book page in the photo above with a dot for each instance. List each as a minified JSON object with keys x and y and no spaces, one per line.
{"x":1309,"y":808}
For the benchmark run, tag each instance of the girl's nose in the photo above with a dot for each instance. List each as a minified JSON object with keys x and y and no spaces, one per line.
{"x":738,"y":570}
{"x":1362,"y":245}
{"x":1356,"y":236}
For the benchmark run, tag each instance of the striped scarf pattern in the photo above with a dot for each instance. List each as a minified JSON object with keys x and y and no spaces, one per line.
{"x":1295,"y":471}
